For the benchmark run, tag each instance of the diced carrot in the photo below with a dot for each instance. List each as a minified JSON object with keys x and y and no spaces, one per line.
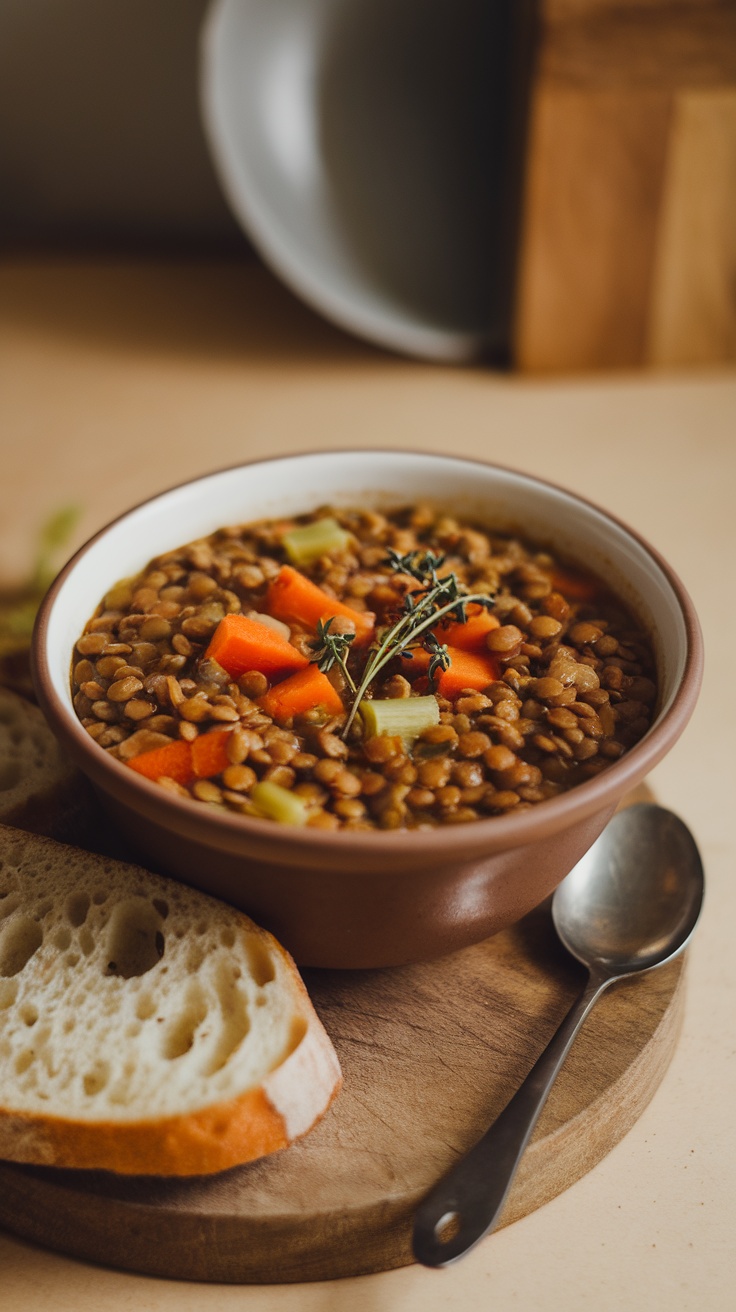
{"x":291,"y":596}
{"x":240,"y":643}
{"x":174,"y":761}
{"x":299,"y":693}
{"x":209,"y":753}
{"x":416,"y":664}
{"x":468,"y":669}
{"x":470,"y":636}
{"x":574,"y":584}
{"x":183,"y":761}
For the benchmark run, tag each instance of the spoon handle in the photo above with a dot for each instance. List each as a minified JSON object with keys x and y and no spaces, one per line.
{"x":466,"y":1204}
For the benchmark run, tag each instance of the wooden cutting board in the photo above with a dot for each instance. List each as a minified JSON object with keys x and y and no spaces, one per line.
{"x":431,"y":1053}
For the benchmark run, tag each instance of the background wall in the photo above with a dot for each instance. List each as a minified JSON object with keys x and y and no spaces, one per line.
{"x":100,"y":139}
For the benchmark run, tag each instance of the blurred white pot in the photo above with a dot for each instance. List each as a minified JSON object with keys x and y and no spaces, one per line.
{"x":357,"y":143}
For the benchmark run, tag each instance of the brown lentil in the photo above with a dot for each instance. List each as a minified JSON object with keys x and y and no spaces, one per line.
{"x":112,"y":735}
{"x":138,"y":709}
{"x":504,"y":639}
{"x":400,"y":770}
{"x":509,"y":709}
{"x":544,"y":627}
{"x":382,"y":748}
{"x":506,"y":799}
{"x":239,"y":778}
{"x":397,"y":686}
{"x":562,"y":718}
{"x":472,"y":703}
{"x":499,"y":758}
{"x":372,"y":783}
{"x":467,"y":774}
{"x":434,"y":774}
{"x":103,"y":710}
{"x":205,"y":791}
{"x":420,"y":798}
{"x":195,"y":709}
{"x":448,"y":796}
{"x":83,"y":671}
{"x":281,"y":775}
{"x":91,"y":644}
{"x":346,"y":783}
{"x":155,"y":629}
{"x":253,"y":684}
{"x":350,"y":808}
{"x":95,"y":728}
{"x":323,"y":820}
{"x":329,"y":744}
{"x":473,"y":743}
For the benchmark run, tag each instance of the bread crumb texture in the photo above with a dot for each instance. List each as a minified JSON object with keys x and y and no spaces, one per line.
{"x":127,"y":999}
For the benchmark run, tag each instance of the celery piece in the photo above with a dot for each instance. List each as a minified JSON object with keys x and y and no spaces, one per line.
{"x":308,"y":543}
{"x":402,"y":717}
{"x":277,"y":803}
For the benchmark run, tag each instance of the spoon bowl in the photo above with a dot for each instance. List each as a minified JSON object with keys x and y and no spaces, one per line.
{"x":633,"y":900}
{"x":629,"y":905}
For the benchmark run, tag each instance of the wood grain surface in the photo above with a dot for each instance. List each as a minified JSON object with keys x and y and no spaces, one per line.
{"x":431,"y":1053}
{"x":628,"y":247}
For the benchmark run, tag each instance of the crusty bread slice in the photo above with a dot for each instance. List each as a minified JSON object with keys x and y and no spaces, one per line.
{"x":145,"y":1028}
{"x":39,"y":789}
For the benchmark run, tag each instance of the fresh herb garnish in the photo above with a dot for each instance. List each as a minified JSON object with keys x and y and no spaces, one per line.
{"x":436,"y":599}
{"x":439,"y":658}
{"x":332,"y":649}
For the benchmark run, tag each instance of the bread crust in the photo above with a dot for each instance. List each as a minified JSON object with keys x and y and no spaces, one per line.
{"x":203,"y":1142}
{"x":200,"y":1143}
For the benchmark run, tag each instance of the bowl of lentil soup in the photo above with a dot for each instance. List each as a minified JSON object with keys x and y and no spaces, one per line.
{"x":383,"y":701}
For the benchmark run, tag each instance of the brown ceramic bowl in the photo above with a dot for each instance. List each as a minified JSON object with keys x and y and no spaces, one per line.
{"x":342,"y":899}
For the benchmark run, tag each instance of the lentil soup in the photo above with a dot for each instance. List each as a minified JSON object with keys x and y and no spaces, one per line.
{"x":349,"y":669}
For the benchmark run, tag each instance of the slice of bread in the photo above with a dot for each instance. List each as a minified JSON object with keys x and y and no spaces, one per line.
{"x":40,"y":790}
{"x":145,"y":1028}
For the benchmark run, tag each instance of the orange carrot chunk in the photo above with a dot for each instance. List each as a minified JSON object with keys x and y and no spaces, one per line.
{"x":291,"y":596}
{"x":209,"y":753}
{"x":416,"y":664}
{"x":240,"y":643}
{"x":174,"y":761}
{"x":300,"y":692}
{"x":468,"y":669}
{"x":470,"y":636}
{"x":183,"y":761}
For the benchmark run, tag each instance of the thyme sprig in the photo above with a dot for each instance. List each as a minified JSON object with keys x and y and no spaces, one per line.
{"x":332,"y":649}
{"x":439,"y":656}
{"x":436,"y":599}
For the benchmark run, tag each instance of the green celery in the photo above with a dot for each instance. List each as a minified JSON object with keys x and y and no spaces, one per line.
{"x":402,"y":717}
{"x":277,"y":803}
{"x":324,"y":537}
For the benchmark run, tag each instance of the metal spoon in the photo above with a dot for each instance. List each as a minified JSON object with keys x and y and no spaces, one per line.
{"x":631,"y":904}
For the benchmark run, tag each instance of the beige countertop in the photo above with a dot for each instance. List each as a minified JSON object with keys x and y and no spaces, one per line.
{"x":120,"y":379}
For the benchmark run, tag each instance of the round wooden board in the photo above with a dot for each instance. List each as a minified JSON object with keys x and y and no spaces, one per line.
{"x":431,"y":1053}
